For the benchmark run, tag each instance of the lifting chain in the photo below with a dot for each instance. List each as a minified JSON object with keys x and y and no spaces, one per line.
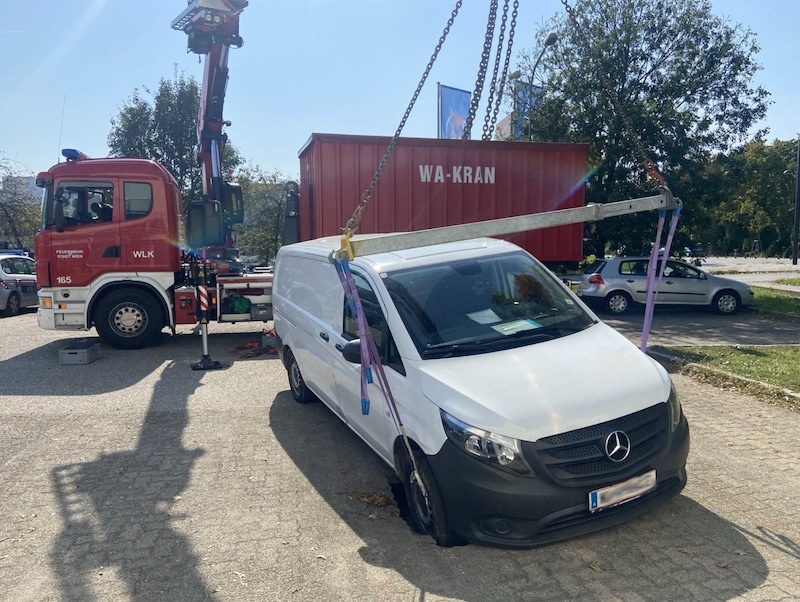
{"x":652,"y":171}
{"x":492,"y":111}
{"x":355,"y":221}
{"x":487,"y":49}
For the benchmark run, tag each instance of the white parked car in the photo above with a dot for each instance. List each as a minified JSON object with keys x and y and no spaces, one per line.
{"x":530,"y":420}
{"x":17,"y":284}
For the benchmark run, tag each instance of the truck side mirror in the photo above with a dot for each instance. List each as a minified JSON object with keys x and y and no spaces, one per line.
{"x":58,"y":213}
{"x":291,"y":219}
{"x":205,"y":224}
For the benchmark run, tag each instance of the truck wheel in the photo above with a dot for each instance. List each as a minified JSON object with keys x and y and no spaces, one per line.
{"x":12,"y":305}
{"x":725,"y":302}
{"x":128,"y":319}
{"x":426,"y":510}
{"x":300,"y":392}
{"x":618,"y":302}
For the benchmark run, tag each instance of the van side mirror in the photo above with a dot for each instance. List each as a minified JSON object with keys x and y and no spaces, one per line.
{"x":352,"y":351}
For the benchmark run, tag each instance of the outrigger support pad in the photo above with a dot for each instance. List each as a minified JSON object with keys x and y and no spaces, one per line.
{"x":206,"y":363}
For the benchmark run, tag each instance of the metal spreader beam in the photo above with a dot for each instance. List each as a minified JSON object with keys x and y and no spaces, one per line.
{"x":509,"y":225}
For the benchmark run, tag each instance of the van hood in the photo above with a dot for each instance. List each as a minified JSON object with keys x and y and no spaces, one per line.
{"x":547,"y":388}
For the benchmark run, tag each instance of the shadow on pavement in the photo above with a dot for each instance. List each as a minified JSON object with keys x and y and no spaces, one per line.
{"x":117,"y":512}
{"x":115,"y":369}
{"x":678,"y":551}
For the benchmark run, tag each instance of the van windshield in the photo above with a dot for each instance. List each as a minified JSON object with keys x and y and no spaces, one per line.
{"x":482,"y":305}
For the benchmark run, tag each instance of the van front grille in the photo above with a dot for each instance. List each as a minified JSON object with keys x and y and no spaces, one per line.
{"x":578,"y":457}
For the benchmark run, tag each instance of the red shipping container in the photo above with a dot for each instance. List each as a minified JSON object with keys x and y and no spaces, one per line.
{"x":429,"y":183}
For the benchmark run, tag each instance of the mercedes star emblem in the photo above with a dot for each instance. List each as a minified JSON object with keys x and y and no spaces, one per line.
{"x":618,"y":446}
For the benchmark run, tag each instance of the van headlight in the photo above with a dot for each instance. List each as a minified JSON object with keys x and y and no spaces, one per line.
{"x":674,"y":408}
{"x":499,"y":451}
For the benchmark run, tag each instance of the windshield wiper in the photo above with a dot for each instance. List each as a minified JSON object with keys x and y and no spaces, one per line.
{"x":487,"y":345}
{"x":547,"y":313}
{"x":521,"y":337}
{"x":455,"y":349}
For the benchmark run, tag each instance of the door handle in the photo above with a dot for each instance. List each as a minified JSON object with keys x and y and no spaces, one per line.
{"x":324,"y":336}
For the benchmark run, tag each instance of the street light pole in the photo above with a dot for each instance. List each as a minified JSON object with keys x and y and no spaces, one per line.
{"x":796,"y":174}
{"x":551,"y":39}
{"x":796,"y":205}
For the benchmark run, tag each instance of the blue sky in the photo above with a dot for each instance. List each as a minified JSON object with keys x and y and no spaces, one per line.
{"x":337,"y":66}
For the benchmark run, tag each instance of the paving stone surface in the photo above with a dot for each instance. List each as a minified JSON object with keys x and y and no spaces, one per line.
{"x":135,"y":478}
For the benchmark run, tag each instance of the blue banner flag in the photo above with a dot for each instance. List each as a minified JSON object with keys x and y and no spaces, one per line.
{"x":453,"y":112}
{"x":525,"y":97}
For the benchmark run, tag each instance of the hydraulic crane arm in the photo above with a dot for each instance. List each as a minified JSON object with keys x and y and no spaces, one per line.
{"x":212,"y":27}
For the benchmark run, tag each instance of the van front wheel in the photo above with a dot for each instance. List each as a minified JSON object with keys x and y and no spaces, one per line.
{"x":297,"y":384}
{"x":425,"y":504}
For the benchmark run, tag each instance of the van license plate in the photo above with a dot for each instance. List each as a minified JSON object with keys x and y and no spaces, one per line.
{"x":626,"y":491}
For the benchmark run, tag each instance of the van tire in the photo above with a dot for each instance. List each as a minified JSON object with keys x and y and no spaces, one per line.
{"x":426,"y":516}
{"x":300,"y":392}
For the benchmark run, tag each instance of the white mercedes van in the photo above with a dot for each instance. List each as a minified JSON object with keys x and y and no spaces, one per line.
{"x":530,"y":420}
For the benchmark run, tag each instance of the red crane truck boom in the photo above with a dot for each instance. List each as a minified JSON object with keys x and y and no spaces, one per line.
{"x":118,"y":251}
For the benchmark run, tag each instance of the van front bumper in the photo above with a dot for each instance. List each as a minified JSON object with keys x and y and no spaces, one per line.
{"x":489,"y":506}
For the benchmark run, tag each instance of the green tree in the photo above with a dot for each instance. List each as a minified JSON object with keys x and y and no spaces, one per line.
{"x":19,"y":209}
{"x":683,"y":77}
{"x":262,"y":231}
{"x":757,"y":204}
{"x":164,"y":128}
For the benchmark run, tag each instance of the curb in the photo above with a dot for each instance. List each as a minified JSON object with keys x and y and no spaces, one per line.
{"x":792,"y":292}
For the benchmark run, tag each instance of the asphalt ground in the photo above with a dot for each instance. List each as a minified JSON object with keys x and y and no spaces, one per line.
{"x":137,"y":478}
{"x":677,"y":326}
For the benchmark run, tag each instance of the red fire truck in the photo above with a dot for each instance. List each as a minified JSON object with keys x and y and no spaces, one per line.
{"x":118,"y":251}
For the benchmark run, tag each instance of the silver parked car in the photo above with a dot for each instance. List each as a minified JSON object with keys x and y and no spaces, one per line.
{"x":617,"y":283}
{"x":17,"y":284}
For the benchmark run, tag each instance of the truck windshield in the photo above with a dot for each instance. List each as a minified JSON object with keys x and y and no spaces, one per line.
{"x":75,"y":203}
{"x":483,"y":305}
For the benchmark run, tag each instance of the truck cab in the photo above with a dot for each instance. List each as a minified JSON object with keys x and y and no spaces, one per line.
{"x":105,"y":222}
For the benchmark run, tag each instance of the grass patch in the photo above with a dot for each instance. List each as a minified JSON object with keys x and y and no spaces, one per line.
{"x":777,"y":366}
{"x":770,"y":301}
{"x":789,"y":281}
